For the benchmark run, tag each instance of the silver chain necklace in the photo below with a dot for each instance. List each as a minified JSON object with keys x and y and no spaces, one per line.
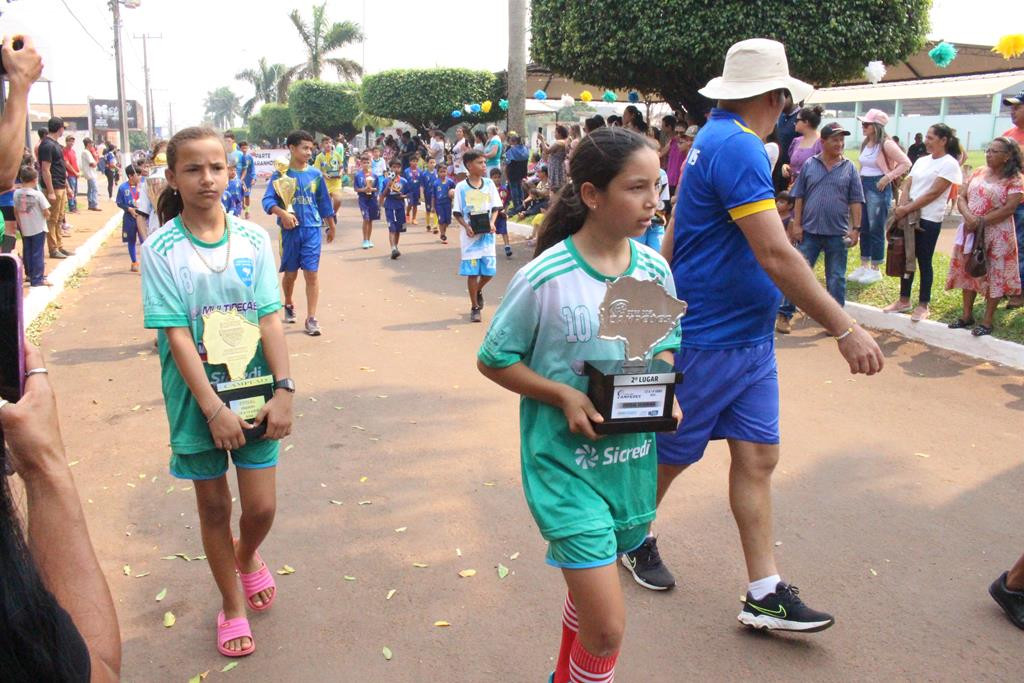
{"x":227,"y":255}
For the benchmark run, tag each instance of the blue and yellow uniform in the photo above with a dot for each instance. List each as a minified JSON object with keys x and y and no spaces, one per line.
{"x":369,"y":207}
{"x":300,"y":246}
{"x":126,"y":198}
{"x":427,"y":181}
{"x":727,"y":351}
{"x":246,"y":170}
{"x":413,"y":176}
{"x":443,"y":202}
{"x":396,"y":191}
{"x":232,"y":197}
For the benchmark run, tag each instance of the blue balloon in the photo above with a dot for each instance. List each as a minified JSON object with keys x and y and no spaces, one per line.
{"x":475,"y":108}
{"x":456,"y":113}
{"x":540,"y":95}
{"x":633,"y":96}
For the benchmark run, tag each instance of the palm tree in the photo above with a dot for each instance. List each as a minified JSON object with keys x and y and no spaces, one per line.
{"x":223,"y":106}
{"x":321,"y":38}
{"x":266,"y":81}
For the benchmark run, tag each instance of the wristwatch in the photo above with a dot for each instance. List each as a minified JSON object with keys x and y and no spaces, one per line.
{"x":286,"y":383}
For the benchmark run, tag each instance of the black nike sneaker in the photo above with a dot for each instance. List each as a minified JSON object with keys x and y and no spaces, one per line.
{"x":783,"y":610}
{"x":646,"y":566}
{"x":1010,"y":600}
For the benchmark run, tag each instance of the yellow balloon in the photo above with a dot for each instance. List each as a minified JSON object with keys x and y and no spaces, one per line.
{"x":485,"y":106}
{"x":586,"y":96}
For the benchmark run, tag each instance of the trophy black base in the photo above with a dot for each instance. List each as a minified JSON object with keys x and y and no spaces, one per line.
{"x":245,"y":397}
{"x":633,"y":397}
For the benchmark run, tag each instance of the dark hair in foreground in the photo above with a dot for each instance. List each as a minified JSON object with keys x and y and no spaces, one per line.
{"x":1015,"y":162}
{"x":170,"y":204}
{"x":598,"y":158}
{"x":948,"y":135}
{"x":298,"y":136}
{"x":30,"y":649}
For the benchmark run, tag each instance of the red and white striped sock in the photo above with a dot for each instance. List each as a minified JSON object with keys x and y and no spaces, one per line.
{"x":587,"y":668}
{"x":570,"y":626}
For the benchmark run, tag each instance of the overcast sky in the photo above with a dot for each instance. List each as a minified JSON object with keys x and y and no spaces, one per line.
{"x":206,"y":42}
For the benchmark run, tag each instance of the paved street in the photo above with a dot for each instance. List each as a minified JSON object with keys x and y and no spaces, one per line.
{"x":896,"y":502}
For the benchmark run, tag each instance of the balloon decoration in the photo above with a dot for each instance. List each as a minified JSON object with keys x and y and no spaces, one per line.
{"x":468,"y":108}
{"x":633,"y":96}
{"x":874,"y":71}
{"x":586,"y":95}
{"x":540,"y":95}
{"x":503,"y":105}
{"x":1010,"y":46}
{"x":456,"y":113}
{"x":474,"y":108}
{"x":943,"y":54}
{"x":568,"y":101}
{"x":609,"y":96}
{"x":485,"y":106}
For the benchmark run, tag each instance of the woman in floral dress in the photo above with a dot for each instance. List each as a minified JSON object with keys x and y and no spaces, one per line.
{"x":992,"y":195}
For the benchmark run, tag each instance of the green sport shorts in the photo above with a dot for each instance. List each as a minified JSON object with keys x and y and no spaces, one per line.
{"x":214,"y":463}
{"x":594,"y":548}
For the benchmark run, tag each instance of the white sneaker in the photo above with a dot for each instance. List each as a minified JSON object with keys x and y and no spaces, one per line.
{"x":856,"y":275}
{"x":873,"y":275}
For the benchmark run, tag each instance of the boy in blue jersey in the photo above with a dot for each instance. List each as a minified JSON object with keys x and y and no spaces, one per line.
{"x":396,"y":191}
{"x":132,"y":230}
{"x":427,"y":180}
{"x":378,"y":166}
{"x":300,"y":231}
{"x":443,"y":191}
{"x":412,"y":174}
{"x":233,"y":194}
{"x":365,"y":185}
{"x":246,"y":170}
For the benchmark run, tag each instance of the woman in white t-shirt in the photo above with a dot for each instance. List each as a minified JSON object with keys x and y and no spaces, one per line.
{"x":463,"y":143}
{"x":926,"y":190}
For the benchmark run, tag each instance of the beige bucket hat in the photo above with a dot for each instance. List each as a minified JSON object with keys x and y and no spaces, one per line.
{"x":753,"y":67}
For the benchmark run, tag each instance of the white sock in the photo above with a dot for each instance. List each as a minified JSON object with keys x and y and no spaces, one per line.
{"x":762,"y":587}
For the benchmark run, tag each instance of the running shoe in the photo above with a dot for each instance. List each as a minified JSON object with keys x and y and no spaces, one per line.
{"x":1010,"y":600}
{"x":474,"y":315}
{"x":857,"y":275}
{"x":289,"y":313}
{"x":871,"y":277}
{"x":366,"y":244}
{"x":66,"y":252}
{"x":444,"y":238}
{"x":395,"y":253}
{"x":783,"y":610}
{"x":508,"y":251}
{"x":312,"y":327}
{"x":783,"y":325}
{"x":646,"y":566}
{"x":370,"y":242}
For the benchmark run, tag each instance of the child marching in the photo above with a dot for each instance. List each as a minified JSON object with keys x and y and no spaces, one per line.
{"x":501,"y":221}
{"x":396,"y":191}
{"x":365,"y":184}
{"x":443,"y":191}
{"x":205,"y":267}
{"x":589,"y":504}
{"x":331,"y":163}
{"x":246,"y":171}
{"x":234,"y":194}
{"x":475,"y":209}
{"x":415,"y":189}
{"x":133,"y":229}
{"x":301,"y":240}
{"x":428,"y":178}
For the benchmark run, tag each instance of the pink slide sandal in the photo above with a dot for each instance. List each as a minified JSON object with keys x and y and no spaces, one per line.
{"x":259,"y":580}
{"x":232,"y":629}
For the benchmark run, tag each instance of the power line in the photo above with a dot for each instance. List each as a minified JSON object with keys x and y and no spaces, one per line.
{"x":75,"y":17}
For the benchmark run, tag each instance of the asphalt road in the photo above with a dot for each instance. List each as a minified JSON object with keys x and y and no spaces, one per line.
{"x":896,"y":502}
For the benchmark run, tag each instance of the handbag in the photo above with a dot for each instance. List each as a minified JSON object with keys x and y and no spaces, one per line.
{"x":977,"y":261}
{"x":896,"y":249}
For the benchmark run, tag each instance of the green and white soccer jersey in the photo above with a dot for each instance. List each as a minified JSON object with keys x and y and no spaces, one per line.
{"x":549,"y":321}
{"x":178,"y":289}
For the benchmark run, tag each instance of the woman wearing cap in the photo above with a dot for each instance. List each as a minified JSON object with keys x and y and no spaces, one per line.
{"x":881,"y":162}
{"x":806,"y":144}
{"x":992,"y":196}
{"x":926,"y":190}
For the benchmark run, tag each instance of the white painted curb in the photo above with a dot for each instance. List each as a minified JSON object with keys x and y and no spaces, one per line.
{"x":38,"y":298}
{"x":938,"y":334}
{"x":520,"y":229}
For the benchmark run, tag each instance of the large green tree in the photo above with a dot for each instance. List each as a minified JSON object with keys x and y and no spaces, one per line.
{"x":675,"y":47}
{"x":222,"y":106}
{"x":320,"y":107}
{"x":425,"y":98}
{"x":320,"y":37}
{"x":271,"y":123}
{"x":265,"y":80}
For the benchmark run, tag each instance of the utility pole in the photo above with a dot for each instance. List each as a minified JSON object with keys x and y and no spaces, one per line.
{"x":115,"y":6}
{"x":170,"y":119}
{"x":516,"y":80}
{"x":150,"y":114}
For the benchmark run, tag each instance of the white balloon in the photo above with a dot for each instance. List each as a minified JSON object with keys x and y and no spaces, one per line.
{"x":874,"y":71}
{"x":568,"y":100}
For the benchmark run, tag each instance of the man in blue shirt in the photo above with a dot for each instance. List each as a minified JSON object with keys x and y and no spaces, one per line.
{"x":300,"y":230}
{"x":729,"y":251}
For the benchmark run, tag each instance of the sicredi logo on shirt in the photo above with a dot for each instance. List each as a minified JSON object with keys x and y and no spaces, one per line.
{"x":587,"y":456}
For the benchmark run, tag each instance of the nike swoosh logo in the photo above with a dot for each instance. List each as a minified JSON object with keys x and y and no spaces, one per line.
{"x":631,"y":561}
{"x":780,"y":612}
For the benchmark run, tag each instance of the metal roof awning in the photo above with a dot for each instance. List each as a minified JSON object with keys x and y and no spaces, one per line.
{"x":955,"y":86}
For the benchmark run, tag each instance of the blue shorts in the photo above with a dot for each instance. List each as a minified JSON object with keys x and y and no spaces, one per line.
{"x":428,"y":201}
{"x":725,"y":394}
{"x":413,"y":201}
{"x":212,"y":464}
{"x":300,"y":249}
{"x":130,"y":234}
{"x":395,"y":215}
{"x":501,"y":224}
{"x":444,"y":213}
{"x":369,"y":208}
{"x":486,"y":266}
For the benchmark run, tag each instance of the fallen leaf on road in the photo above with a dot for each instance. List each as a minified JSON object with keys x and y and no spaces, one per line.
{"x":338,"y":408}
{"x":72,"y":463}
{"x":366,"y":369}
{"x":127,"y":570}
{"x":362,"y":429}
{"x":382,"y":395}
{"x":778,"y":543}
{"x":502,"y":571}
{"x":136,"y":407}
{"x":198,"y":678}
{"x":442,"y":624}
{"x":139,"y":576}
{"x":168,"y":619}
{"x":391,"y":594}
{"x":169,"y":489}
{"x":513,"y":555}
{"x":186,"y":488}
{"x":228,"y":667}
{"x":922,"y":455}
{"x":336,"y":502}
{"x":386,"y":651}
{"x":488,"y":483}
{"x":420,"y":565}
{"x":313,"y":399}
{"x":366,"y":502}
{"x":286,"y":570}
{"x":131,"y":485}
{"x":349,"y":578}
{"x":466,"y":573}
{"x":161,"y":595}
{"x":873,"y":572}
{"x":289,"y":447}
{"x":363,"y":480}
{"x":401,"y":529}
{"x":169,"y":557}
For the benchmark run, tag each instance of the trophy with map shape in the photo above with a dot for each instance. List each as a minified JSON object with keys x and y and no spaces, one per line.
{"x":285,"y":186}
{"x":231,"y":340}
{"x":635,"y":394}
